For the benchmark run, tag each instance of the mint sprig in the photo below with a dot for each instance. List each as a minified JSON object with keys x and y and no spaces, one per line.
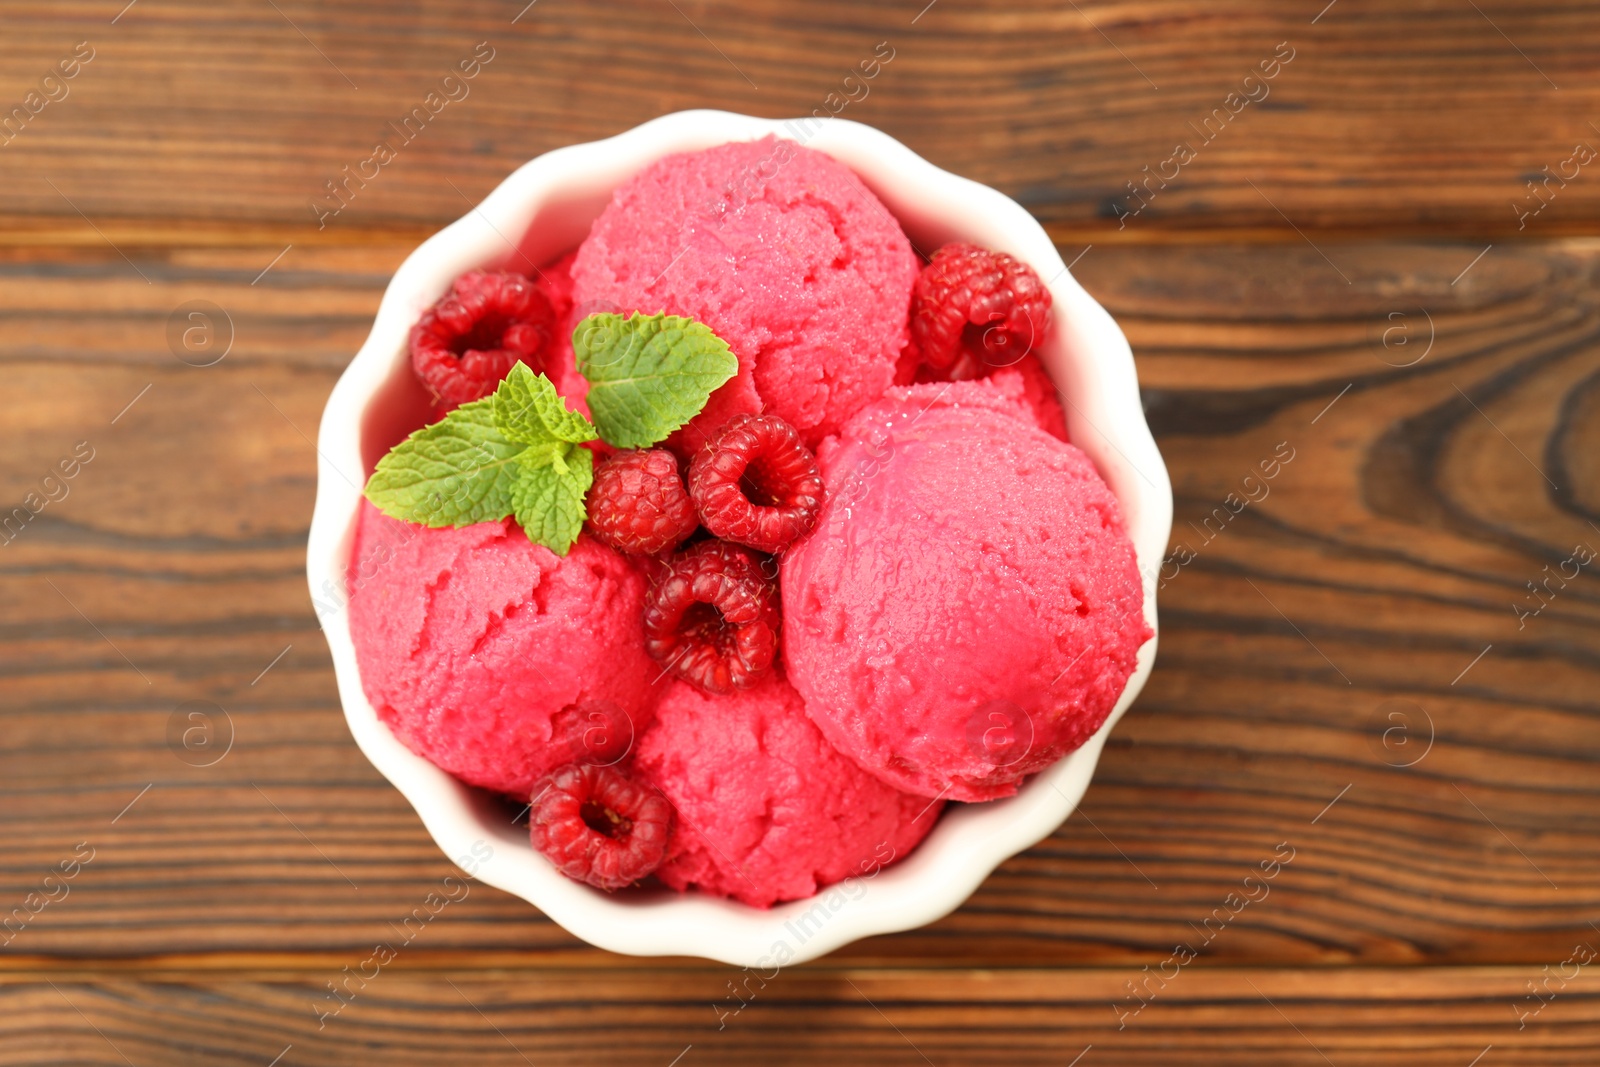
{"x":547,"y":498}
{"x":648,"y":374}
{"x":454,"y":473}
{"x":519,"y":452}
{"x":527,"y":408}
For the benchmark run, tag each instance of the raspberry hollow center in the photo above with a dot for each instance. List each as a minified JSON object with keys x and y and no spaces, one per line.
{"x":703,"y":623}
{"x":602,"y":820}
{"x":486,"y":335}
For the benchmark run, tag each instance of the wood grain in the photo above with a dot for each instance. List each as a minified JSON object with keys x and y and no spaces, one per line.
{"x":1429,"y":117}
{"x":1385,"y":558}
{"x":1352,"y":673}
{"x":1351,"y":1018}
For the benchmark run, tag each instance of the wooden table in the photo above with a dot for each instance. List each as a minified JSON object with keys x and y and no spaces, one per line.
{"x":1351,"y":266}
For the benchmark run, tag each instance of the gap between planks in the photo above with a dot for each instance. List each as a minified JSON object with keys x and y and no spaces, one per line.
{"x":203,"y":967}
{"x":141,"y":234}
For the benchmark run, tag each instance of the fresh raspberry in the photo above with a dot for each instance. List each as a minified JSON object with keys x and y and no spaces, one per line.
{"x":713,"y":618}
{"x":466,"y":343}
{"x":638,"y":503}
{"x":599,"y":826}
{"x":986,"y":305}
{"x":756,"y":483}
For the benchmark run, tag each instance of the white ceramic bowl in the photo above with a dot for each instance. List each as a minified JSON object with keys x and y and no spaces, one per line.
{"x":545,"y":208}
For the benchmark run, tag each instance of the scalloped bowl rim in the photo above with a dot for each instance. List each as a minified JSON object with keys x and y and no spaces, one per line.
{"x":1088,"y":357}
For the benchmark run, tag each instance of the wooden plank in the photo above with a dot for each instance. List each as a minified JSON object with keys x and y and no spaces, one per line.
{"x":1356,"y":1018}
{"x":1429,"y":117}
{"x":1383,"y":561}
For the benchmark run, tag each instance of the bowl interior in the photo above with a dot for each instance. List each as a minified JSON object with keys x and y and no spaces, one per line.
{"x":541,"y":211}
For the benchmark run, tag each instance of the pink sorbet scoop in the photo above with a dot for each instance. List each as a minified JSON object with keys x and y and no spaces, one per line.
{"x":784,"y":253}
{"x":968,"y":608}
{"x":491,"y":656}
{"x":766,"y":809}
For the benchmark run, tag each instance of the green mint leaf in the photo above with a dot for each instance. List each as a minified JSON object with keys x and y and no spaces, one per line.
{"x":519,"y":452}
{"x":547,"y":497}
{"x":527,"y":408}
{"x":457,"y":472}
{"x":648,"y":374}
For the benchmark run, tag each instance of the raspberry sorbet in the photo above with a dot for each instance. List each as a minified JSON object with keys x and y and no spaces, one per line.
{"x":487,"y":654}
{"x":873,"y":573}
{"x":969,"y":608}
{"x":766,"y":809}
{"x":784,"y":253}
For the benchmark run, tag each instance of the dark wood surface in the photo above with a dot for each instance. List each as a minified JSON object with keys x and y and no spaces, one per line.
{"x":1416,"y":117}
{"x":1311,"y":646}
